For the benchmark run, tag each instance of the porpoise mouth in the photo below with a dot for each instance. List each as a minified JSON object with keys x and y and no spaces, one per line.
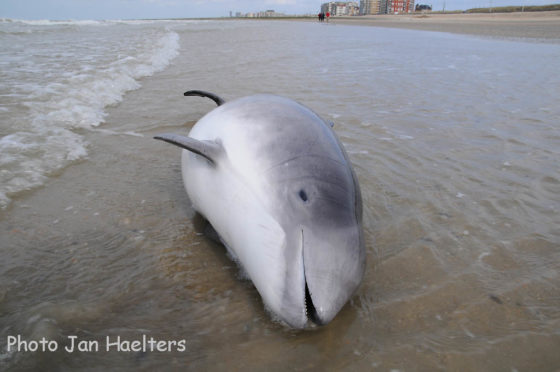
{"x":310,"y":310}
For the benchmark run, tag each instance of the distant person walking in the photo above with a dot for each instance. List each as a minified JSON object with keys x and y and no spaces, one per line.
{"x":328,"y":15}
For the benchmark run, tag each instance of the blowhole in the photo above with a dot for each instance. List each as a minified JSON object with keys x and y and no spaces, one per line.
{"x":303,"y":195}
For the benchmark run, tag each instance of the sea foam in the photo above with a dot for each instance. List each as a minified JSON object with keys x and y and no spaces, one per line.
{"x":58,"y":78}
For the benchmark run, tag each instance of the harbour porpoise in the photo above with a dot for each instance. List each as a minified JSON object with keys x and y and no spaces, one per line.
{"x":276,"y":184}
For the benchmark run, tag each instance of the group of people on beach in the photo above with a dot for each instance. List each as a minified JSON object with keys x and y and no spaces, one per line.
{"x":322,"y":16}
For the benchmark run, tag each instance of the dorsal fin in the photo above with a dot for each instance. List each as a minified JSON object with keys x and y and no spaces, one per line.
{"x":200,"y":93}
{"x":209,"y":149}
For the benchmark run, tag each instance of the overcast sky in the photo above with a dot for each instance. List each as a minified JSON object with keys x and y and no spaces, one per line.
{"x":135,"y":9}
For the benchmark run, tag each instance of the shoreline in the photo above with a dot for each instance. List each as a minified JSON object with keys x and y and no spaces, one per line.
{"x":543,"y":25}
{"x":532,"y":25}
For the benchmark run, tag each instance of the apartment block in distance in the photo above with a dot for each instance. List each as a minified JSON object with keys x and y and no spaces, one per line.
{"x":370,"y":7}
{"x":386,"y":6}
{"x":338,"y":8}
{"x":400,"y":6}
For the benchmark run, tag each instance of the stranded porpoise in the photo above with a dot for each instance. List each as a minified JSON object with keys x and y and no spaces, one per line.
{"x":274,"y":181}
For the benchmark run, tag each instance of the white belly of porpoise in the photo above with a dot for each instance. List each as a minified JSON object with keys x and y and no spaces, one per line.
{"x":226,"y":195}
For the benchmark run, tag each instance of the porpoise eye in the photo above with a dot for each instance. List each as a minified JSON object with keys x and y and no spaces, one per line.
{"x":303,"y":195}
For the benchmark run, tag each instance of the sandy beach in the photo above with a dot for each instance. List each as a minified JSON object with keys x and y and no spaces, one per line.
{"x":455,"y":142}
{"x":533,"y":25}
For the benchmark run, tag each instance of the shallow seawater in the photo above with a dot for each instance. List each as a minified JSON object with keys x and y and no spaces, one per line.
{"x":455,"y":141}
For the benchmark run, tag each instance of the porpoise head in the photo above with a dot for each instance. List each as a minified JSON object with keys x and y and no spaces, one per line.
{"x":324,"y":249}
{"x":317,"y":201}
{"x":307,"y":187}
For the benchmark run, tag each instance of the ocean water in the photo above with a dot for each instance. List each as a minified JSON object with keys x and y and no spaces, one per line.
{"x":57,"y":79}
{"x":455,"y":141}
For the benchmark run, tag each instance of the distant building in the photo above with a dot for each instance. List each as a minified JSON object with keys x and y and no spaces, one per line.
{"x":327,"y":7}
{"x":369,"y":7}
{"x":265,"y":14}
{"x":400,"y":6}
{"x":339,"y":8}
{"x":386,"y":6}
{"x":353,"y":8}
{"x":383,"y":6}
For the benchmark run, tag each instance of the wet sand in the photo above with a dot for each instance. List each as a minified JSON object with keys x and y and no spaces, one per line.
{"x":532,"y":25}
{"x":460,"y":191}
